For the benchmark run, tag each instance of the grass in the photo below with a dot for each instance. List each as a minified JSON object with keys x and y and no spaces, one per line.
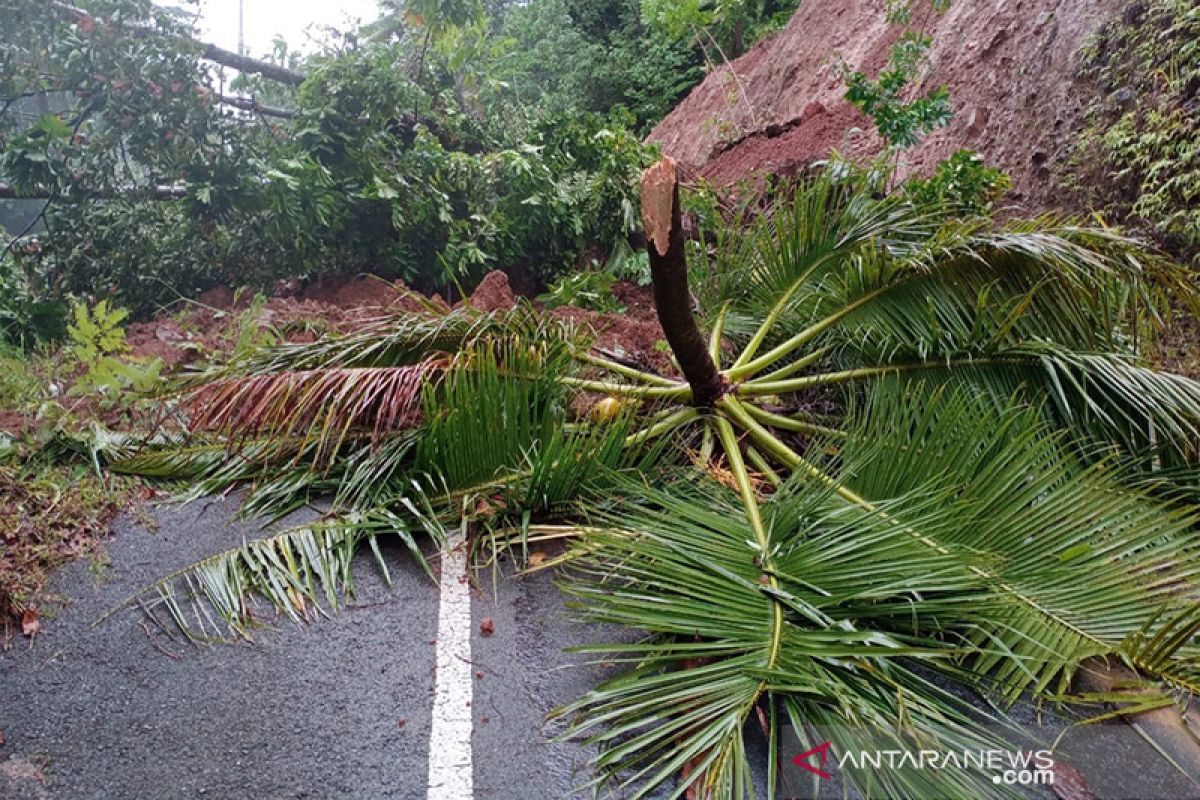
{"x":18,"y":383}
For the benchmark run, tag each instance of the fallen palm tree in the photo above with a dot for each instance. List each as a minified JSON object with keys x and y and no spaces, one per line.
{"x":904,"y":443}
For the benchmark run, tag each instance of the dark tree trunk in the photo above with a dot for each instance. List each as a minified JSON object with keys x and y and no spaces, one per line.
{"x":668,"y":268}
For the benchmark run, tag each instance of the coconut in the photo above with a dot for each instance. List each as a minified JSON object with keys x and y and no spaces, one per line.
{"x":606,"y":410}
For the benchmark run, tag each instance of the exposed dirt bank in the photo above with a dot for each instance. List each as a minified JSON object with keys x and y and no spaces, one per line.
{"x":1010,"y":67}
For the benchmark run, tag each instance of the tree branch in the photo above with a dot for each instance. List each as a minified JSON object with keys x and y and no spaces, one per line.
{"x":252,"y":104}
{"x":9,"y":192}
{"x":209,"y":52}
{"x":228,"y":58}
{"x":668,"y":268}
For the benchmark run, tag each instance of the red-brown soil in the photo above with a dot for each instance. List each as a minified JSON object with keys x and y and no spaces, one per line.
{"x":1010,"y":67}
{"x":212,"y":323}
{"x":493,"y":293}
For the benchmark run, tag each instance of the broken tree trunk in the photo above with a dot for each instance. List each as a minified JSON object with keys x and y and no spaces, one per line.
{"x":668,"y":269}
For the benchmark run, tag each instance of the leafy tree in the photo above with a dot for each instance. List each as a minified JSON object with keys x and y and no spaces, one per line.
{"x":565,"y":55}
{"x":901,"y":120}
{"x":909,"y":442}
{"x":160,"y":185}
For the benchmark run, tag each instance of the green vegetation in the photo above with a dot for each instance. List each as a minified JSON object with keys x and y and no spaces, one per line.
{"x":591,"y":290}
{"x":901,"y":120}
{"x":728,"y":26}
{"x":97,"y":344}
{"x":441,"y":142}
{"x":1140,"y":157}
{"x":390,"y":157}
{"x":567,"y":56}
{"x":641,"y":58}
{"x":55,"y":503}
{"x":897,"y":437}
{"x":18,"y":385}
{"x":962,"y":181}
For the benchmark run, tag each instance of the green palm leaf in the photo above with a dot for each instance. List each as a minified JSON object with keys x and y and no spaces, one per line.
{"x":1001,"y":552}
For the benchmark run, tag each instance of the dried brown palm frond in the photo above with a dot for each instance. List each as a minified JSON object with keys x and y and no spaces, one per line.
{"x":324,"y":405}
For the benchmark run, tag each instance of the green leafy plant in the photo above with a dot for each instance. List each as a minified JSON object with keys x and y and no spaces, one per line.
{"x":1139,"y":156}
{"x":592,"y":290}
{"x":962,"y":182}
{"x":907,"y":443}
{"x":97,"y":344}
{"x":251,"y":333}
{"x":901,"y":120}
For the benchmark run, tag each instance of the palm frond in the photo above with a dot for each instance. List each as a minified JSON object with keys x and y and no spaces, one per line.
{"x":481,"y":419}
{"x":1168,"y":646}
{"x":1098,"y":397}
{"x":974,"y":291}
{"x":827,"y":219}
{"x":684,"y":568}
{"x":491,"y":444}
{"x":1075,"y":561}
{"x":977,"y":541}
{"x":301,"y":574}
{"x":322,"y":405}
{"x":401,"y":338}
{"x":991,"y":292}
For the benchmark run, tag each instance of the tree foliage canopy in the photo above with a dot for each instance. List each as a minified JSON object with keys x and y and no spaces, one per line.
{"x":403,"y":151}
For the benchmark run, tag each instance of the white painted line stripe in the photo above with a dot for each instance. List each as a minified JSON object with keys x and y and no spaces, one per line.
{"x":450,"y":769}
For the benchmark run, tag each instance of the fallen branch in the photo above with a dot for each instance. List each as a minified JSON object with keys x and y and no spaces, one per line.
{"x":9,"y":192}
{"x":251,"y":104}
{"x":209,"y":52}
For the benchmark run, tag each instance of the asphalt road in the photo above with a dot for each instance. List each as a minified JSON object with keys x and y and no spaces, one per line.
{"x":336,"y":709}
{"x":342,"y":708}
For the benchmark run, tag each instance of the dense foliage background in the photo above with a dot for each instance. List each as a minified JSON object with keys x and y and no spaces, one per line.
{"x":1139,"y":159}
{"x":444,"y":140}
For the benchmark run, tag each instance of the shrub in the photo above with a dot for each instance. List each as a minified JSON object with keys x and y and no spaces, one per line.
{"x":962,"y":182}
{"x":1139,"y":156}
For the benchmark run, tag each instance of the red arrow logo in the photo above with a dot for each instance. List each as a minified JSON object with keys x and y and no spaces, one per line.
{"x":823,"y":751}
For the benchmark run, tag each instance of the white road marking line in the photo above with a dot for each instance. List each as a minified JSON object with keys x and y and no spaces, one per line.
{"x":450,"y":769}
